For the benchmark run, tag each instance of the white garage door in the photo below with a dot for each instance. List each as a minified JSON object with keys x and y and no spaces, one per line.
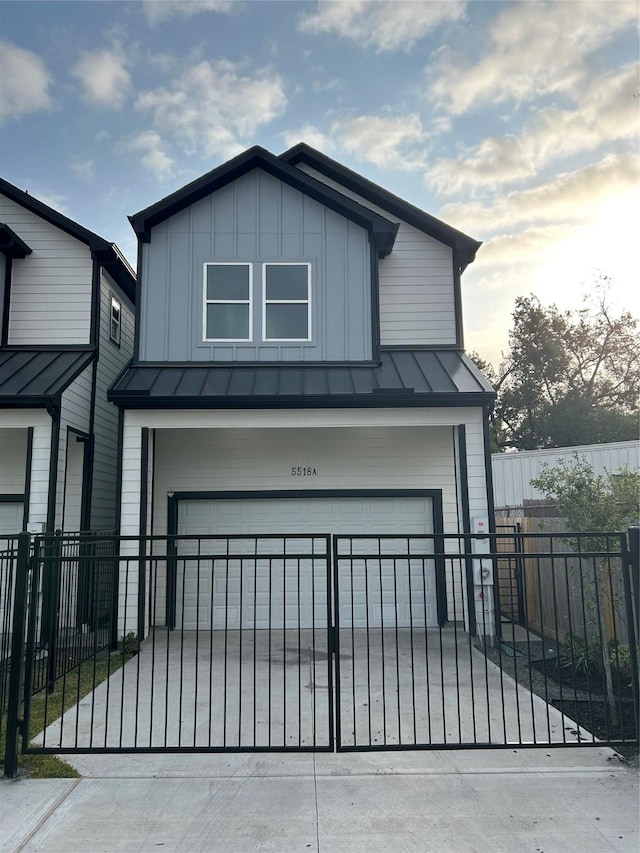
{"x":292,"y":593}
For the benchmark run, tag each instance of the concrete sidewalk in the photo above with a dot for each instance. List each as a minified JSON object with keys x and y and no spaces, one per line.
{"x":566,"y":800}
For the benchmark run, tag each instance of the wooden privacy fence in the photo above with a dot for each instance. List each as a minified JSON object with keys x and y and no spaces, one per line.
{"x":548,"y":584}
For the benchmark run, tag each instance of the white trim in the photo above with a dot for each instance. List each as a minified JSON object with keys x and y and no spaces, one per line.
{"x":247,"y":302}
{"x":115,"y":303}
{"x":306,"y":301}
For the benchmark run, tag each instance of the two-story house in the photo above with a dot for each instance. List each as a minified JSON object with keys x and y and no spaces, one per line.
{"x":66,"y":331}
{"x":298,"y":368}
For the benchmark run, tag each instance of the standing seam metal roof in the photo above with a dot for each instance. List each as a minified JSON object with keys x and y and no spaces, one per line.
{"x":35,"y":375}
{"x":432,"y":373}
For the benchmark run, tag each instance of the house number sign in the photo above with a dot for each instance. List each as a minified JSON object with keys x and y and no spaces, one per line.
{"x":303,"y":471}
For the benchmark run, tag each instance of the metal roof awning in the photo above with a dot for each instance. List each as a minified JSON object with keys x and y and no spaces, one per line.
{"x":427,"y":377}
{"x":37,"y":377}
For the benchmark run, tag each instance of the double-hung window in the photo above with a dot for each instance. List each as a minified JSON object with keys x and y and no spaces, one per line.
{"x":286,"y":302}
{"x":228,"y":298}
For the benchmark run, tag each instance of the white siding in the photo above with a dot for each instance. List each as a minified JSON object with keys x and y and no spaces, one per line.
{"x":41,"y":422}
{"x":51,"y":288}
{"x":255,"y":450}
{"x":417,"y":304}
{"x":513,"y":472}
{"x":111,"y":361}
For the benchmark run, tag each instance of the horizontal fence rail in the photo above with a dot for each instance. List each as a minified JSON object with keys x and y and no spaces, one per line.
{"x":319,"y":642}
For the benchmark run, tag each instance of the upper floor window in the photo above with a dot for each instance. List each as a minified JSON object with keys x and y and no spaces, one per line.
{"x":228,"y":296}
{"x":115,"y":324}
{"x":286,"y":305}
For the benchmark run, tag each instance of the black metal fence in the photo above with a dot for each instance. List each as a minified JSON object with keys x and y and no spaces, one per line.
{"x":319,"y":642}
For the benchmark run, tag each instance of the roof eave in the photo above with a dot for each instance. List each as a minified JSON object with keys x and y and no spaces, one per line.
{"x":465,"y":246}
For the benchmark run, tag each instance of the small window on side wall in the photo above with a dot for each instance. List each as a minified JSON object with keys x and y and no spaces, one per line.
{"x":286,"y":307}
{"x":115,"y":324}
{"x":228,"y":292}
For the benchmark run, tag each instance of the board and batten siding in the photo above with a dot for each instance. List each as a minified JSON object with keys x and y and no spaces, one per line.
{"x":513,"y":472}
{"x":256,"y":219}
{"x":51,"y":287}
{"x":254,"y":451}
{"x":112,"y":360}
{"x":417,"y":293}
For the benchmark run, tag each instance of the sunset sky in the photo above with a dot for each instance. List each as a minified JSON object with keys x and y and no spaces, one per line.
{"x":516,"y":122}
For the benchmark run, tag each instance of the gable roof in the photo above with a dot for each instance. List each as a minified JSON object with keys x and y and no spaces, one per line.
{"x":382,"y":231}
{"x":464,"y":246}
{"x":108,"y":254}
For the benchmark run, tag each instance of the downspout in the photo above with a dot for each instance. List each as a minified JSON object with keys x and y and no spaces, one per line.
{"x":94,"y":340}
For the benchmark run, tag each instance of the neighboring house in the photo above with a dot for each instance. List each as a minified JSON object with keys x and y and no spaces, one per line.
{"x":66,"y":331}
{"x":513,"y":472}
{"x":298,"y":368}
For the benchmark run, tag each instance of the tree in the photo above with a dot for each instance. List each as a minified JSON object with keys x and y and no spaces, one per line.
{"x":569,"y":377}
{"x":589,"y":503}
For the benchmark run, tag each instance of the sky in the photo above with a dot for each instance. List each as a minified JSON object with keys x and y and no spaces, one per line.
{"x":515,"y":122}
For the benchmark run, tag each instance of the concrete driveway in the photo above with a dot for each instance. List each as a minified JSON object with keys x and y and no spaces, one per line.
{"x":259,"y":689}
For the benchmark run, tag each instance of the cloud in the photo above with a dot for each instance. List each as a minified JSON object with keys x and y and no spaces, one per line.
{"x":104,"y":78}
{"x":84,"y":170}
{"x":158,"y":11}
{"x":385,"y":25}
{"x":212,"y":109}
{"x":310,"y":134}
{"x":25,"y":82}
{"x":570,"y":197}
{"x":396,"y":142}
{"x":154,"y":153}
{"x":607,"y":112}
{"x":535,"y":48}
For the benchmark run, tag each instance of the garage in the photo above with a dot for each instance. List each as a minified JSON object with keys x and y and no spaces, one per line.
{"x":268,"y":589}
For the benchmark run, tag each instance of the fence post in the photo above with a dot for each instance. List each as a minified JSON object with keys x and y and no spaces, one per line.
{"x":631,"y":582}
{"x":55,"y":573}
{"x":17,"y":657}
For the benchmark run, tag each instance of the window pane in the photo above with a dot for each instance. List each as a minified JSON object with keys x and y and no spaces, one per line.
{"x":228,"y":321}
{"x":287,"y":321}
{"x":287,"y":281}
{"x":228,"y":281}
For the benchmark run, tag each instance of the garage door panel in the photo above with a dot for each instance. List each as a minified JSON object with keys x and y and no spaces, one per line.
{"x":284,"y":591}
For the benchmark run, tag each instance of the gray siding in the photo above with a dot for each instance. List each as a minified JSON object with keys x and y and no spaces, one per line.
{"x":417,"y":296}
{"x":51,"y":288}
{"x":111,"y":362}
{"x":75,"y":412}
{"x":256,"y":218}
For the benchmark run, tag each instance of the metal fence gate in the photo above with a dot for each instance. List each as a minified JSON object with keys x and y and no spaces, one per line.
{"x":317,"y":643}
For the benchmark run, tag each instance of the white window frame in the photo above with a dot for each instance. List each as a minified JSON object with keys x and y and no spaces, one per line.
{"x":117,"y":337}
{"x":206,"y":302}
{"x":266,"y":301}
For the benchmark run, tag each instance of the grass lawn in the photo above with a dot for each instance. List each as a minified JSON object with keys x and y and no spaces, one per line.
{"x":80,"y":682}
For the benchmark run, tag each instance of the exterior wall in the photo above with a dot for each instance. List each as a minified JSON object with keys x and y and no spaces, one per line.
{"x":13,"y":458}
{"x":417,"y":304}
{"x":51,"y":288}
{"x":75,"y":412}
{"x":112,"y":360}
{"x":21,"y":419}
{"x":513,"y":472}
{"x":255,"y":450}
{"x":256,"y":218}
